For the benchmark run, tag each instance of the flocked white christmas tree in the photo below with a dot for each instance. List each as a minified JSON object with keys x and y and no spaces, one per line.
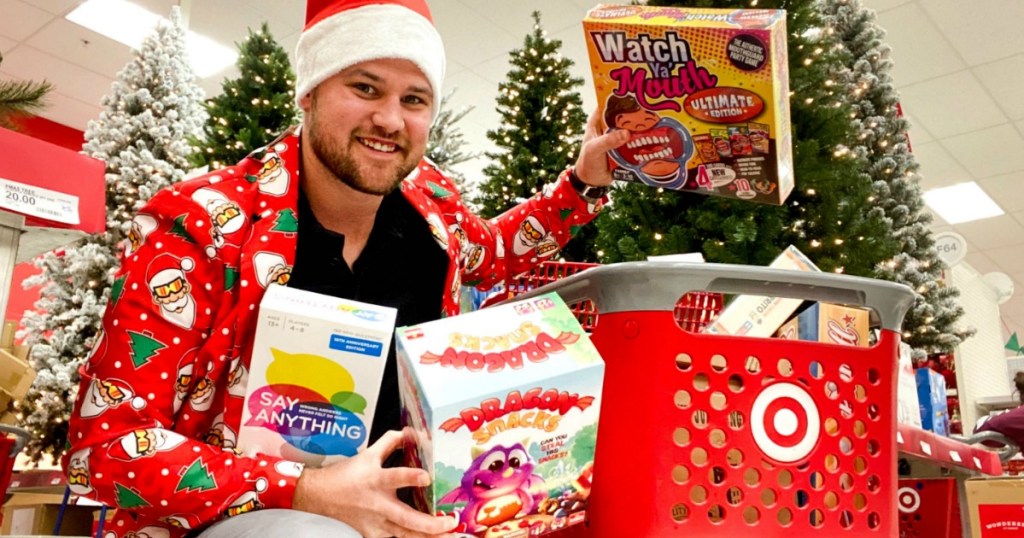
{"x":931,"y":324}
{"x":446,"y":144}
{"x":153,"y":108}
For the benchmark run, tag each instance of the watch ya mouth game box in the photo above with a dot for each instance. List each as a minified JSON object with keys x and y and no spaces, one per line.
{"x":704,"y":94}
{"x":501,"y":406}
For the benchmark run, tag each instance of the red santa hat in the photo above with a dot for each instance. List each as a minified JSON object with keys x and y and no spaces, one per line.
{"x":165,"y":268}
{"x":342,"y":33}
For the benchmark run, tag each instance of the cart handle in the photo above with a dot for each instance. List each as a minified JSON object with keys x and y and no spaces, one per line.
{"x":21,"y":437}
{"x":633,"y":286}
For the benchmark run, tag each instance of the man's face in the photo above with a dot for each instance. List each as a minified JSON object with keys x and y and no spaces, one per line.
{"x":368,"y":125}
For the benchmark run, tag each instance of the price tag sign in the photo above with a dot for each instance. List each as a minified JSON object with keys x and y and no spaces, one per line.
{"x":951,"y":246}
{"x":39,"y":202}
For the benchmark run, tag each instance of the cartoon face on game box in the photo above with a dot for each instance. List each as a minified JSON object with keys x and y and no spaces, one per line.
{"x":501,"y":407}
{"x":704,"y":94}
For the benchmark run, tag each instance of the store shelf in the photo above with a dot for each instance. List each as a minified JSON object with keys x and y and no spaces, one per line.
{"x":38,"y":481}
{"x":995,"y":403}
{"x":945,"y":452}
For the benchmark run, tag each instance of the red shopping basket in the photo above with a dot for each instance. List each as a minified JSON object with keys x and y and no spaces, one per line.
{"x":12,"y":440}
{"x":692,"y":312}
{"x":707,"y":435}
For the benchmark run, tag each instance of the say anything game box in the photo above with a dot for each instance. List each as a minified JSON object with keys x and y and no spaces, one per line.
{"x":315,"y":374}
{"x":704,"y":94}
{"x":501,"y":407}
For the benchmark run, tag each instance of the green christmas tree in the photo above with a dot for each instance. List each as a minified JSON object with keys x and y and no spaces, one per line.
{"x":931,"y":324}
{"x":829,"y":216}
{"x":253,"y":108}
{"x":20,"y":97}
{"x":542,"y":125}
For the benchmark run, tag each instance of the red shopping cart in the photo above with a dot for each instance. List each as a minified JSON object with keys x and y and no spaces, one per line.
{"x":11,"y":443}
{"x":692,"y":311}
{"x":708,"y":435}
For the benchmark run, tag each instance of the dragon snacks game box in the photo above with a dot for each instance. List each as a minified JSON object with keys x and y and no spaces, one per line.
{"x":312,"y":388}
{"x":500,"y":406}
{"x":704,"y":93}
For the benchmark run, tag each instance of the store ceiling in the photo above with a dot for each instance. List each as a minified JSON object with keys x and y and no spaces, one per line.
{"x":959,"y":72}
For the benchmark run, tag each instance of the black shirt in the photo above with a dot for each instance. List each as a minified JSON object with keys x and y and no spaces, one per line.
{"x":401,"y":266}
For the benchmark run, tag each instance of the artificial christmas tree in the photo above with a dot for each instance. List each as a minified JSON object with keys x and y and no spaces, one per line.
{"x":253,"y":108}
{"x":829,"y":216}
{"x":542,"y":126}
{"x":19,"y":97}
{"x":152,"y":110}
{"x":931,"y":324}
{"x":445,"y":142}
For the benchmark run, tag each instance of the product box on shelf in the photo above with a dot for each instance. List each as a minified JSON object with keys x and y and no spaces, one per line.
{"x":830,"y":324}
{"x":704,"y":94}
{"x":501,"y":406}
{"x":908,"y":408}
{"x":996,"y":506}
{"x":315,"y":375}
{"x":755,"y":315}
{"x":931,"y":395}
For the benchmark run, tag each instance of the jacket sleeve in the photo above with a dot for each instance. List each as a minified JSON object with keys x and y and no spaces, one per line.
{"x":498,"y":249}
{"x":144,"y":383}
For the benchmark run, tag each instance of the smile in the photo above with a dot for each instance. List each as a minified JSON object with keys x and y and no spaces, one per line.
{"x":379,"y":146}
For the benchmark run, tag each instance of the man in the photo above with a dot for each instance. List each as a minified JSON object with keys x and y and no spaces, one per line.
{"x":155,"y":427}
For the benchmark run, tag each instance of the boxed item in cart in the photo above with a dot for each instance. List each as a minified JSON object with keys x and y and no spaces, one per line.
{"x":830,"y":324}
{"x":704,"y":94}
{"x":931,"y":394}
{"x":500,"y":406}
{"x":312,"y":388}
{"x":996,"y":506}
{"x":755,"y":315}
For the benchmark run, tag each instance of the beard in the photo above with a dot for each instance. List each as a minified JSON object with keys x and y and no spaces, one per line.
{"x":338,"y":160}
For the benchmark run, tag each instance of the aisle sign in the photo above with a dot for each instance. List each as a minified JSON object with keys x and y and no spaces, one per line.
{"x":38,"y":202}
{"x":951,"y":246}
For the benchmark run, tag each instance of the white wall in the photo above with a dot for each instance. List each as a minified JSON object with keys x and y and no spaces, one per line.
{"x":981,"y":368}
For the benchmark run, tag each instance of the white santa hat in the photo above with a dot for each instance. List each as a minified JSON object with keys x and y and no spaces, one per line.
{"x":165,"y":268}
{"x":342,"y":33}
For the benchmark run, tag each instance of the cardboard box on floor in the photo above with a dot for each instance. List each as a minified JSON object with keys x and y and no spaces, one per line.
{"x":16,"y":376}
{"x":36,"y":513}
{"x":996,"y":506}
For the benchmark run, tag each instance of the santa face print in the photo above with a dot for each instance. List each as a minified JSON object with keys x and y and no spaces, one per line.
{"x":220,"y":434}
{"x":248,"y":501}
{"x":171,"y":290}
{"x":78,"y":472}
{"x":238,"y":378}
{"x":144,"y":443}
{"x":141,"y":226}
{"x":182,"y":384}
{"x":202,"y":395}
{"x":226,"y":216}
{"x":532,"y":235}
{"x":104,"y":394}
{"x":172,"y":296}
{"x":271,"y":268}
{"x":273,"y":177}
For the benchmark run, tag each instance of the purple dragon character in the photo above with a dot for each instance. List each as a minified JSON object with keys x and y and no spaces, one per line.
{"x":499,"y":485}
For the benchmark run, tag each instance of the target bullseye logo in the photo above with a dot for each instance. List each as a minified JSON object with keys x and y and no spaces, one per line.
{"x":909,"y":500}
{"x":785,"y":422}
